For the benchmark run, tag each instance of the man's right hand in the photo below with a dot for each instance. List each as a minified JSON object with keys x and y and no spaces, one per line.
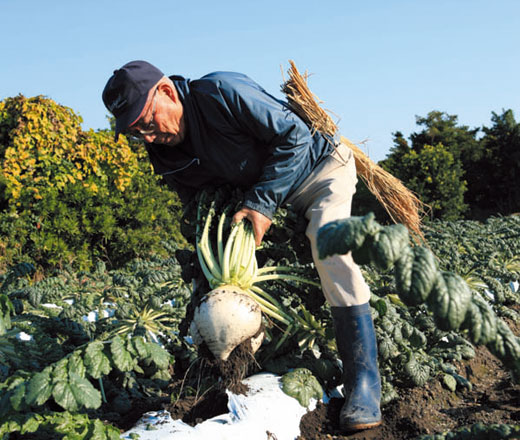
{"x":260,"y":222}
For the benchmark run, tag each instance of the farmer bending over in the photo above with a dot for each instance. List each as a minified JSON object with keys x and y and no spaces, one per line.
{"x":225,"y":129}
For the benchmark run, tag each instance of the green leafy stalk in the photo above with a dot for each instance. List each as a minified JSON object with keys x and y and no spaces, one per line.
{"x":206,"y":248}
{"x":247,"y":257}
{"x":269,"y":305}
{"x":213,"y":281}
{"x":102,"y":388}
{"x":284,"y":277}
{"x":220,"y":240}
{"x":250,"y":266}
{"x":419,"y":280}
{"x":265,"y":295}
{"x":226,"y":277}
{"x":273,"y":312}
{"x":236,"y":252}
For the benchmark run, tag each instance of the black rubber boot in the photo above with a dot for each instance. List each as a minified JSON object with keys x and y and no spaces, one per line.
{"x":356,"y":341}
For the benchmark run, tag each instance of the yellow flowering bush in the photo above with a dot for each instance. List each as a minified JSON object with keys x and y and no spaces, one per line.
{"x":69,"y":196}
{"x":42,"y":143}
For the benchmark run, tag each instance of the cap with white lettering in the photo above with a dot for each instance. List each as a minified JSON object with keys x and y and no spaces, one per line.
{"x":126,"y":92}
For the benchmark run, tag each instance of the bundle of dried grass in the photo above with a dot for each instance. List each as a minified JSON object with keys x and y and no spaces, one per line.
{"x":402,"y":205}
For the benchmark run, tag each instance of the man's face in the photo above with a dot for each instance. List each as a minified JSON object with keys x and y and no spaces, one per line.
{"x":162,"y":118}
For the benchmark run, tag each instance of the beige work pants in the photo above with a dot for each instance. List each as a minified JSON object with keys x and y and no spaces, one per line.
{"x":326,"y":195}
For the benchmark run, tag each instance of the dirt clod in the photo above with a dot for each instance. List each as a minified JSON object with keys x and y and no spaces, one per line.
{"x":193,"y":410}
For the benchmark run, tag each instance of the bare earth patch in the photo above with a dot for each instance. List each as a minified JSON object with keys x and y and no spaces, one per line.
{"x":431,"y":409}
{"x":494,"y":398}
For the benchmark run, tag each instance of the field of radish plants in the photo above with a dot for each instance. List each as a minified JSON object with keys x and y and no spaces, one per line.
{"x":103,"y":283}
{"x":83,"y":354}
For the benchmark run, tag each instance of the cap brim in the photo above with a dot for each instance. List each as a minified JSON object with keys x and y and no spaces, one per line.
{"x":129,"y":117}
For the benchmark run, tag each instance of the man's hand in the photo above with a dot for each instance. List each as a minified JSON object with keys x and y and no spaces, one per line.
{"x":260,"y":222}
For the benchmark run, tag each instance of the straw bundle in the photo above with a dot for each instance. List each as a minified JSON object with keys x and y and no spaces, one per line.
{"x":402,"y":205}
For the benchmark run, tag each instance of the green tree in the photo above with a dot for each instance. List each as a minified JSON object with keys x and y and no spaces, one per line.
{"x":442,"y":187}
{"x":494,"y":181}
{"x":434,"y":174}
{"x":442,"y":128}
{"x":393,"y":161}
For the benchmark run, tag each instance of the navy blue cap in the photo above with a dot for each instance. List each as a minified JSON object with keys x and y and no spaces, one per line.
{"x":126,"y":92}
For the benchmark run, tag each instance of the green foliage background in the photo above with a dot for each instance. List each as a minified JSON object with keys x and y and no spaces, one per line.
{"x":69,"y":197}
{"x":458,"y":171}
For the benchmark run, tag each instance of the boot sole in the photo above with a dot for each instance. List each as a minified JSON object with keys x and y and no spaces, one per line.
{"x":362,"y":426}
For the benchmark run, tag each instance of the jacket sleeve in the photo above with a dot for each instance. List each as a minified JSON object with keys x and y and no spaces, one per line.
{"x":275,"y":127}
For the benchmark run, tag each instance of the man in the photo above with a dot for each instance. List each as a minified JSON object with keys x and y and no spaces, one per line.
{"x":225,"y":129}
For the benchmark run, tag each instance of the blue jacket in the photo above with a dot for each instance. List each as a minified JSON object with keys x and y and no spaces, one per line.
{"x":237,"y":133}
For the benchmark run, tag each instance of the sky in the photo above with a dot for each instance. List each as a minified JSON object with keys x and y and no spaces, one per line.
{"x":375,"y":64}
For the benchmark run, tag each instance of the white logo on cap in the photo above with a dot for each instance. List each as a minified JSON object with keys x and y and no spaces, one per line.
{"x":118,"y":103}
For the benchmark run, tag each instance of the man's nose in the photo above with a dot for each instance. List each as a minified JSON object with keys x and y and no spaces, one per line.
{"x":149,"y":138}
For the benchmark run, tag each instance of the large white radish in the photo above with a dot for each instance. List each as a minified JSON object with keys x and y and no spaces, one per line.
{"x":232,"y":313}
{"x":225,"y":318}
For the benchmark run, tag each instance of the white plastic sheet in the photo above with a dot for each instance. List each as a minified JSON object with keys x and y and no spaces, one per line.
{"x":264,"y":413}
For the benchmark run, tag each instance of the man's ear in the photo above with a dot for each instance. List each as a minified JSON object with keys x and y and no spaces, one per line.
{"x":169,"y":90}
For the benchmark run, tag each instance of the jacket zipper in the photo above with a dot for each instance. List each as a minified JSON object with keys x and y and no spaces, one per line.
{"x":195,"y":159}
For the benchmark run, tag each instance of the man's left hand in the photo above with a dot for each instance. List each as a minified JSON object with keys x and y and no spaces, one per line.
{"x":260,"y":222}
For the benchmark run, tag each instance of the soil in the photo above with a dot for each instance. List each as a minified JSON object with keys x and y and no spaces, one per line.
{"x":493,"y":398}
{"x":193,"y":410}
{"x":432,"y":409}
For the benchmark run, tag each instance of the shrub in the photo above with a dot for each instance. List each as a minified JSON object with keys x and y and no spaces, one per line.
{"x":70,"y":197}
